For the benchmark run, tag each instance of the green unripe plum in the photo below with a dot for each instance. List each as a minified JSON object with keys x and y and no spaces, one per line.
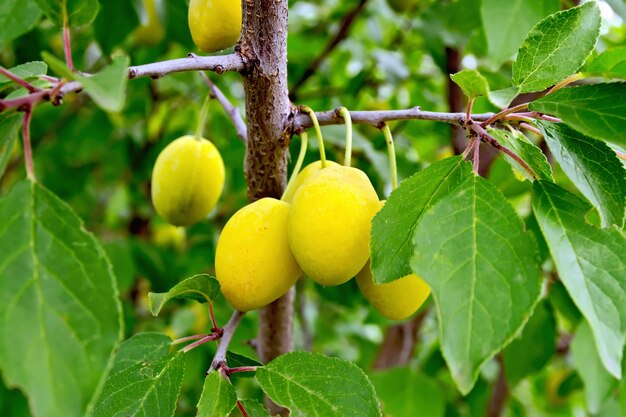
{"x":187,"y":180}
{"x":253,"y":262}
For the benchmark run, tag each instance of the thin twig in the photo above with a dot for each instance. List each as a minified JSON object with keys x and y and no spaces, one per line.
{"x":483,"y":134}
{"x":531,"y":128}
{"x":212,"y":315}
{"x":28,"y":150}
{"x":476,"y":159}
{"x":242,"y":410}
{"x":232,"y":111}
{"x":341,"y":34}
{"x":218,"y":64}
{"x":18,"y":80}
{"x":189,"y":338}
{"x":209,"y":338}
{"x":375,"y":118}
{"x":67,"y":46}
{"x":565,"y":82}
{"x":504,"y":112}
{"x":219,"y":359}
{"x":468,"y":112}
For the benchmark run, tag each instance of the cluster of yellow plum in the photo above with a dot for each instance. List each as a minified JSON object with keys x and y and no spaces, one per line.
{"x":320,"y":229}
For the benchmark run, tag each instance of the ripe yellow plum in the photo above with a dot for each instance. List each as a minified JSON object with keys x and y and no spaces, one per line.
{"x":187,"y":180}
{"x":214,"y":24}
{"x":395,"y":300}
{"x":329,"y":224}
{"x":306,"y":172}
{"x":253,"y":262}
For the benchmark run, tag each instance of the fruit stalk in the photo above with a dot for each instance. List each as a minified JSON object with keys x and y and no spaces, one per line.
{"x":345,"y":114}
{"x":296,"y":170}
{"x":391,"y":151}
{"x":318,"y":132}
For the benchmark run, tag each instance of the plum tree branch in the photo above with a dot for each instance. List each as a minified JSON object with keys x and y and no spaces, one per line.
{"x":375,"y":118}
{"x":232,"y":111}
{"x":218,"y":64}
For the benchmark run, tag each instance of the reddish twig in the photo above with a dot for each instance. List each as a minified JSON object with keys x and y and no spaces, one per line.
{"x":219,"y":360}
{"x":500,"y":393}
{"x":28,"y":150}
{"x":531,"y":128}
{"x":484,"y":135}
{"x":209,"y":338}
{"x":242,"y":410}
{"x":189,"y":338}
{"x":67,"y":46}
{"x":31,"y":88}
{"x":476,"y":159}
{"x":503,"y":113}
{"x":212,"y":315}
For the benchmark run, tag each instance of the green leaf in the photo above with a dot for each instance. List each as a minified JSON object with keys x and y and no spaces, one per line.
{"x":57,"y":66}
{"x":532,"y":350}
{"x":609,"y":64}
{"x":557,"y":47}
{"x":147,"y":389}
{"x":17,"y":17}
{"x":78,"y":12}
{"x":28,"y":70}
{"x":597,"y":110}
{"x":311,"y":384}
{"x":202,"y":288}
{"x":141,"y":347}
{"x":218,"y":396}
{"x":507,"y":23}
{"x":502,"y":98}
{"x":254,"y":408}
{"x":526,"y":150}
{"x":591,"y":265}
{"x":593,"y":167}
{"x":471,"y":82}
{"x":599,"y":384}
{"x":483,"y":270}
{"x":59,"y":310}
{"x":108,"y":87}
{"x":116,"y":20}
{"x":392,"y":227}
{"x":9,"y":127}
{"x":396,"y":386}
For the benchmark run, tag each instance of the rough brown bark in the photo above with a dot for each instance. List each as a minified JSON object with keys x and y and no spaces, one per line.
{"x":268,"y":109}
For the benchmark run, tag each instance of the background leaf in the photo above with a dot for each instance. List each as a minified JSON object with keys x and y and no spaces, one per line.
{"x":218,"y":396}
{"x":593,"y":167}
{"x":590,"y":263}
{"x":609,"y":64}
{"x":556,"y":47}
{"x":314,"y":384}
{"x":17,"y":17}
{"x":531,"y":351}
{"x":202,"y":288}
{"x":147,"y":389}
{"x":392,"y":227}
{"x":507,"y":23}
{"x":79,"y":12}
{"x":59,"y":311}
{"x":483,"y":270}
{"x":596,"y":110}
{"x":397,"y":385}
{"x":599,"y":384}
{"x":116,"y":20}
